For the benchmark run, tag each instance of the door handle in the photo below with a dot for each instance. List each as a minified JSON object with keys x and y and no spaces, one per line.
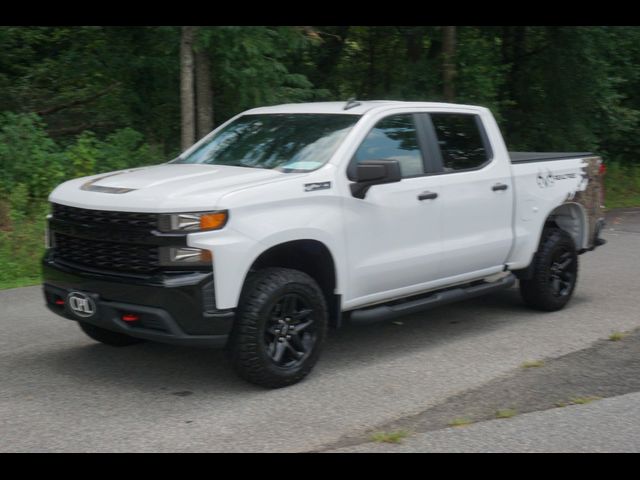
{"x":499,"y":186}
{"x":427,"y":196}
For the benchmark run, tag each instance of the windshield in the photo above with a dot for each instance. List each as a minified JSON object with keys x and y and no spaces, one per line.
{"x":297,"y":142}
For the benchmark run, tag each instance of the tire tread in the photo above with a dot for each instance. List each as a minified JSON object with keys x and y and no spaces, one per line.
{"x":536,"y":292}
{"x":243,"y":348}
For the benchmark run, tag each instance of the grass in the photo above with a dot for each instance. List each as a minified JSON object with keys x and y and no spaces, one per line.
{"x":532,"y":364}
{"x":19,"y":282}
{"x":583,"y":400}
{"x":622,"y":185}
{"x":577,"y":401}
{"x":389,"y":437}
{"x":617,"y":336}
{"x":460,"y":422}
{"x":21,"y":245}
{"x":506,"y":413}
{"x":622,"y":201}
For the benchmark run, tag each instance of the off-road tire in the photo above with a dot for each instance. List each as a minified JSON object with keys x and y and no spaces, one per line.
{"x":248,"y":349}
{"x":108,"y":337}
{"x":539,"y":292}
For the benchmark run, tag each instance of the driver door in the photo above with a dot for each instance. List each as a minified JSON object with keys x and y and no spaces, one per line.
{"x":393,"y":234}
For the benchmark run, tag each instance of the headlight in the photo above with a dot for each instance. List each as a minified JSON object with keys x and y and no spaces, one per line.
{"x":184,"y":256}
{"x":192,"y":222}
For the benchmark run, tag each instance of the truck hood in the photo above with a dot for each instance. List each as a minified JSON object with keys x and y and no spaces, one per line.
{"x":162,"y":188}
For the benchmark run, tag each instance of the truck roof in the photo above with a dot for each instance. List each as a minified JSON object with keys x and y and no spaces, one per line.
{"x":363,"y":107}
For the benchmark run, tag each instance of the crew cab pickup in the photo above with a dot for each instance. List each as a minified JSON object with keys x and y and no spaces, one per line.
{"x":288,"y":220}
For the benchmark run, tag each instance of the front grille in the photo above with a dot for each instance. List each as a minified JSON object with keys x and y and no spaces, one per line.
{"x":145,"y":221}
{"x":121,"y":257}
{"x":105,"y":240}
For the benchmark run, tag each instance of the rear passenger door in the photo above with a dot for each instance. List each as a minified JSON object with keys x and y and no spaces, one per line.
{"x":476,"y":196}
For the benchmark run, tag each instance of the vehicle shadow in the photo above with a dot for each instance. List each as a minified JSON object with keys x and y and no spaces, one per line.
{"x":426,"y":329}
{"x":182,"y":371}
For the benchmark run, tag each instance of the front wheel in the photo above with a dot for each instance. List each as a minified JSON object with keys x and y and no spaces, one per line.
{"x":280,"y":327}
{"x":555,"y":272}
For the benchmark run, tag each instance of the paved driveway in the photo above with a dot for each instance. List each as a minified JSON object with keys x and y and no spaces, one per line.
{"x":60,"y":391}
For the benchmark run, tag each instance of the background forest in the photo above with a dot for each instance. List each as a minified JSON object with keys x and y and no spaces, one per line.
{"x":81,"y":100}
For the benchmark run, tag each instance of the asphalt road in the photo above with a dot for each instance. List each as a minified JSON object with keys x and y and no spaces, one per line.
{"x":610,"y":425}
{"x":60,"y":391}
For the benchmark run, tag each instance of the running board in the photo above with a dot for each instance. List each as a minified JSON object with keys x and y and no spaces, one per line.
{"x":387,"y":312}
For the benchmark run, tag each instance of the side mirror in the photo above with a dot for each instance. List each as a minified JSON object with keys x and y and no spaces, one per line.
{"x":374,"y":172}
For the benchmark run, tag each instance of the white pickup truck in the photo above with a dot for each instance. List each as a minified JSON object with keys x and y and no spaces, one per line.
{"x":290,"y":219}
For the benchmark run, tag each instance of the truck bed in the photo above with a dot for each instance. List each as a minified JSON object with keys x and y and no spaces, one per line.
{"x":525,"y":157}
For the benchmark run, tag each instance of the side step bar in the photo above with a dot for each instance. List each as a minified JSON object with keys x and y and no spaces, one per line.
{"x":387,"y":312}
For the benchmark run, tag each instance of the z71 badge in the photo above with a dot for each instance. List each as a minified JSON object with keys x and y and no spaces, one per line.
{"x":312,"y":187}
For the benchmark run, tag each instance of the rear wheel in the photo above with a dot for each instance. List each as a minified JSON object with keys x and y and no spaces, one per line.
{"x":108,"y":337}
{"x":280,"y":327}
{"x":555,"y":272}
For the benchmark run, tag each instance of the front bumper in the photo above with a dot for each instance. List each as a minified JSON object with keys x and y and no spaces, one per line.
{"x":173,"y":307}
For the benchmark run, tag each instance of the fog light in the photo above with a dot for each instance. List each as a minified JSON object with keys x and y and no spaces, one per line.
{"x":185,"y":256}
{"x":130,"y":317}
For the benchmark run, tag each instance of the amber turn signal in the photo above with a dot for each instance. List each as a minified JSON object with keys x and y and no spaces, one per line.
{"x":212,"y":221}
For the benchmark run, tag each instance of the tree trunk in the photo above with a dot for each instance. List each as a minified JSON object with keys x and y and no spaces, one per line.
{"x":372,"y":38}
{"x":187,"y":87}
{"x":204,"y":94}
{"x":414,"y":41}
{"x":329,"y":56}
{"x":448,"y":62}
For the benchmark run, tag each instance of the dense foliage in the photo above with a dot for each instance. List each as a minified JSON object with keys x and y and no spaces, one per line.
{"x":81,"y":100}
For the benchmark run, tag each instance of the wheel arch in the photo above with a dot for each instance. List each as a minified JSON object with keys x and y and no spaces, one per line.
{"x":312,"y":257}
{"x":572,"y":218}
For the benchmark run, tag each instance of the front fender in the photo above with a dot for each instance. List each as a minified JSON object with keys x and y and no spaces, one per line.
{"x":234,"y":253}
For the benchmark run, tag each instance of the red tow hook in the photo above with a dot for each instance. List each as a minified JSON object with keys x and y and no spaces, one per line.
{"x":130,"y":317}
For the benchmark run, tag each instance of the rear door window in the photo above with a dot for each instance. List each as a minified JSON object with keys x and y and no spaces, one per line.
{"x":462,"y":141}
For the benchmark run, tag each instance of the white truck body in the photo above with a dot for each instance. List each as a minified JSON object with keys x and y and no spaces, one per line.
{"x":385,"y":246}
{"x":258,"y":241}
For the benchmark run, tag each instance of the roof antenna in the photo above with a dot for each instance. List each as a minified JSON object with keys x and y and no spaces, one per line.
{"x":352,"y":102}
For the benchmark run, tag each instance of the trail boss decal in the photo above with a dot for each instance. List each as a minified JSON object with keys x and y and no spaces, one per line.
{"x":547,"y":179}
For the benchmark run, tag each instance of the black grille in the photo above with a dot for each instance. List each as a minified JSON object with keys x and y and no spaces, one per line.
{"x":123,"y":257}
{"x":118,"y":254}
{"x":146,"y":221}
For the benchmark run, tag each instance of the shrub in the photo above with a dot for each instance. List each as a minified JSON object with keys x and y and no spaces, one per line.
{"x":32,"y":165}
{"x":27,"y":155}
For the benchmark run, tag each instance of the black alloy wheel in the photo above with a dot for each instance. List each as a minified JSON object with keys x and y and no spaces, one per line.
{"x":562,"y":272}
{"x":554,"y":272}
{"x":290,"y":332}
{"x":279,"y":329}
